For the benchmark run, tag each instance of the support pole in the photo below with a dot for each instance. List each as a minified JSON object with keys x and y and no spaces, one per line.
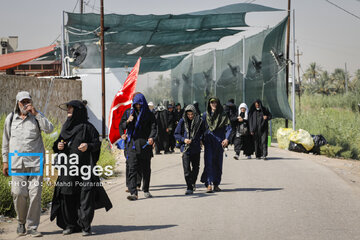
{"x":102,"y":67}
{"x":81,"y":6}
{"x":244,"y":71}
{"x":62,"y":46}
{"x":287,"y":56}
{"x":192,"y":78}
{"x":299,"y":78}
{"x":214,"y":72}
{"x":293,"y":78}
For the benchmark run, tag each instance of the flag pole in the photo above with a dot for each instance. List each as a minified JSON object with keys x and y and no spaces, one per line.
{"x":102,"y":67}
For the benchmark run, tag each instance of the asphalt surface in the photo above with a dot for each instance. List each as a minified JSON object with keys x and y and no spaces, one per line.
{"x":289,"y":196}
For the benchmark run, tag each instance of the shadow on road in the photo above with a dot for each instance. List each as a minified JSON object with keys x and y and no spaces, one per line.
{"x":108,"y":229}
{"x":52,"y":233}
{"x":252,"y":189}
{"x":173,"y":186}
{"x":281,"y":158}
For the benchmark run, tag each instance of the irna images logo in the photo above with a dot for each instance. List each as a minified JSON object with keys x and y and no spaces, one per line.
{"x":16,"y":153}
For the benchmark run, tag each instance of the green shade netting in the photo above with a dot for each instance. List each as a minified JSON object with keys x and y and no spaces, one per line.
{"x":264,"y":79}
{"x":151,"y":36}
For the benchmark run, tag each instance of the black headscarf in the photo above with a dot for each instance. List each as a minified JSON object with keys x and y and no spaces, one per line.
{"x":219,"y":118}
{"x":74,"y":123}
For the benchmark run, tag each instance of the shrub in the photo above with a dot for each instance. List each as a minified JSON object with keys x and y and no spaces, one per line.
{"x":330,"y":151}
{"x":106,"y":157}
{"x":6,"y":200}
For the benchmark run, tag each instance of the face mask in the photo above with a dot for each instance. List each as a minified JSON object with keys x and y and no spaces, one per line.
{"x":258,"y":109}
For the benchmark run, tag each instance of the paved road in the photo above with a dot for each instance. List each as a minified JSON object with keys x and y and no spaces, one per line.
{"x":287,"y":197}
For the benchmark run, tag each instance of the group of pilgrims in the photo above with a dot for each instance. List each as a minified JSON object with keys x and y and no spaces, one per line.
{"x":142,"y":128}
{"x":167,"y":126}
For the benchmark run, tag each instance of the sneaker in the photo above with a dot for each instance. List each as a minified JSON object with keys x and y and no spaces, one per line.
{"x":209,"y":189}
{"x":21,"y":230}
{"x":86,"y":233}
{"x":147,"y":195}
{"x":189,"y":192}
{"x":236,"y":157}
{"x":248,"y":157}
{"x":258,"y":157}
{"x":217,"y":189}
{"x":68,"y":231}
{"x":132,"y":197}
{"x":194,"y":187}
{"x":264,"y":158}
{"x":34,"y":233}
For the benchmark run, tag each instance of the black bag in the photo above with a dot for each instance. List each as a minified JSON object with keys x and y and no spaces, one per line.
{"x":242,"y":130}
{"x":295,"y":147}
{"x":319,"y":141}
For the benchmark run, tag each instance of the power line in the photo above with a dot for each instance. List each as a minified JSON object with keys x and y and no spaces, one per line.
{"x":94,"y":8}
{"x":77,"y":2}
{"x":358,"y":17}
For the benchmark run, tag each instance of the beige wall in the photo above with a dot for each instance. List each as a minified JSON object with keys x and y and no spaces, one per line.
{"x":61,"y":90}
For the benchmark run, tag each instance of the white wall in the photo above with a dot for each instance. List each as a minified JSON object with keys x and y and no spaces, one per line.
{"x":91,"y":91}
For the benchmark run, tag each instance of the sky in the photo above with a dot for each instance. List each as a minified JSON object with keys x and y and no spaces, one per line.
{"x":324,"y":34}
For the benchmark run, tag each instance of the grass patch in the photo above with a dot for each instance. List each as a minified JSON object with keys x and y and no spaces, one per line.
{"x":106,"y":157}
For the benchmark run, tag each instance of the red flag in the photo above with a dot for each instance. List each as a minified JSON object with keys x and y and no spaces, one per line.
{"x":121,"y":102}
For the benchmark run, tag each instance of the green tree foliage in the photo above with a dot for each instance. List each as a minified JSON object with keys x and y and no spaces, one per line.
{"x":315,"y":80}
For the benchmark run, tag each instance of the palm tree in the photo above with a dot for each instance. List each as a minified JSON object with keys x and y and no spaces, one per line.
{"x":312,"y":73}
{"x":339,"y":78}
{"x":355,"y":82}
{"x":324,"y":84}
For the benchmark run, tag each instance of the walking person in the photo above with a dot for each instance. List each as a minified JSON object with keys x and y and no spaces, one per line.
{"x":22,"y":132}
{"x":231,"y":112}
{"x":243,"y":139}
{"x":140,"y":125}
{"x":162,"y":136}
{"x":179,"y":112}
{"x":259,"y":117}
{"x":189,"y":132}
{"x":216,"y":138}
{"x":171,"y":127}
{"x":76,"y":196}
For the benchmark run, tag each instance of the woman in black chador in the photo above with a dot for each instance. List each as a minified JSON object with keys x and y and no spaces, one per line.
{"x":259,"y":117}
{"x":77,"y":194}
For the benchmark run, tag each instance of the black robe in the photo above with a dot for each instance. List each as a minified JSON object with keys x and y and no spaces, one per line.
{"x":231,"y":112}
{"x":260,"y":127}
{"x":162,"y":139}
{"x":86,"y":134}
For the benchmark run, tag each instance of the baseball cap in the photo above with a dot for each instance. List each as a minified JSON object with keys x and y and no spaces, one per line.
{"x":22,"y":95}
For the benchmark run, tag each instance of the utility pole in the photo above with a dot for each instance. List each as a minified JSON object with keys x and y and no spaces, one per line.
{"x":102,"y":66}
{"x":288,"y":56}
{"x":299,"y":78}
{"x":81,"y":6}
